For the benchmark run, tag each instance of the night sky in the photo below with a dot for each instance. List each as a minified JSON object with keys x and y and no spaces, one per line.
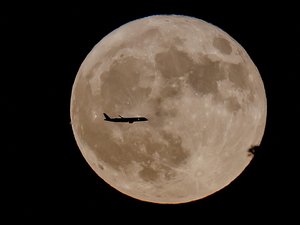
{"x":46,"y":180}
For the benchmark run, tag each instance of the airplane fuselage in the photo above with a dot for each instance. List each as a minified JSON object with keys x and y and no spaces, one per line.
{"x":127,"y":120}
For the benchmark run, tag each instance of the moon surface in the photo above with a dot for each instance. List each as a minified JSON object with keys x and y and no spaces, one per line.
{"x":201,"y":92}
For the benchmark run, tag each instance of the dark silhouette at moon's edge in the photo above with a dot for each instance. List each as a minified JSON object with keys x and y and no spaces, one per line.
{"x":252,"y":150}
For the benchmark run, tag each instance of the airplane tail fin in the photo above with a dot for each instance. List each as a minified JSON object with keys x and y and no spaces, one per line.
{"x":106,"y":116}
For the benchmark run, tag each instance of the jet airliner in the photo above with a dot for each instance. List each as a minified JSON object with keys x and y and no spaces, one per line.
{"x":124,"y":119}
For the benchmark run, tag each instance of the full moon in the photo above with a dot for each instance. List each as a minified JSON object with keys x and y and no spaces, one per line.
{"x":201,"y":93}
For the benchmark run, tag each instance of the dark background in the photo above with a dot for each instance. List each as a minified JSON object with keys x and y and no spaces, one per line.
{"x":45,"y":179}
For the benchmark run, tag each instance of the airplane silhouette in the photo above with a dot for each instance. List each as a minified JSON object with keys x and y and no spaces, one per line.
{"x":124,"y":119}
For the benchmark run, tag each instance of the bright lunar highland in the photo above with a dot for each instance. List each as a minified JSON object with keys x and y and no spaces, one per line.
{"x":202,"y":94}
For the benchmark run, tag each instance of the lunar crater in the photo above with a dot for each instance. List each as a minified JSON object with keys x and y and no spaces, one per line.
{"x":222,"y":45}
